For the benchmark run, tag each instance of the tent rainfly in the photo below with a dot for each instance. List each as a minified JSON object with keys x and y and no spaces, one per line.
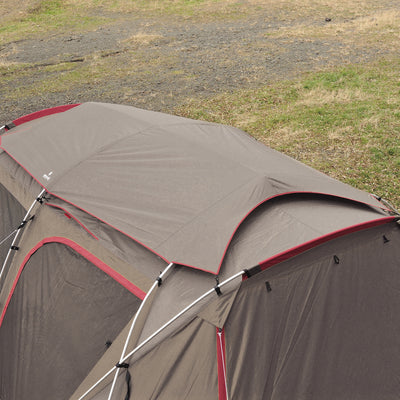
{"x":277,"y":282}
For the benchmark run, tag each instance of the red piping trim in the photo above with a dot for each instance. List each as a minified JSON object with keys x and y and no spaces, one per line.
{"x":70,"y":216}
{"x":43,"y":113}
{"x":84,"y":253}
{"x":112,"y":226}
{"x":221,"y":360}
{"x":294,"y":251}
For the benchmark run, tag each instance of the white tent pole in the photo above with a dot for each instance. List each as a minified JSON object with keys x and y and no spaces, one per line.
{"x":18,"y":231}
{"x":157,"y":282}
{"x":181,"y":313}
{"x":163,"y":327}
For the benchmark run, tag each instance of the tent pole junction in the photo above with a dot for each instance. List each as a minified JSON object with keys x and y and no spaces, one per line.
{"x":156,"y":283}
{"x":137,"y":348}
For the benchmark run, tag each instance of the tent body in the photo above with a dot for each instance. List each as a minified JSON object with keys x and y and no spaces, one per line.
{"x":148,"y":256}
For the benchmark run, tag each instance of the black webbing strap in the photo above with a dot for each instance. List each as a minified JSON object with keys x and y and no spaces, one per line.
{"x":128,"y":385}
{"x":127,"y":379}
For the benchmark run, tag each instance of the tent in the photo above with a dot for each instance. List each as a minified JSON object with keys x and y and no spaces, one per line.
{"x":149,"y":256}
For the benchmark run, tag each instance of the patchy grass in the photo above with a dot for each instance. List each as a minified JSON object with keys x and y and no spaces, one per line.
{"x":93,"y":70}
{"x":47,"y":16}
{"x":27,"y":18}
{"x":344,"y":122}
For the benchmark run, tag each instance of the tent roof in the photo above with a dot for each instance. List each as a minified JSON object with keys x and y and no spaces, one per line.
{"x":179,"y":187}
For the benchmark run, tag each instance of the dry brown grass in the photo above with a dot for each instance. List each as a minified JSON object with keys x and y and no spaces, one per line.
{"x":11,"y":9}
{"x":368,"y":28}
{"x":141,"y":39}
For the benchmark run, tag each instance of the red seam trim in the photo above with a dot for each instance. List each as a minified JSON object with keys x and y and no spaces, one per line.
{"x":84,"y":253}
{"x":43,"y":113}
{"x":221,"y":360}
{"x":284,"y":194}
{"x":294,"y":251}
{"x":69,"y":216}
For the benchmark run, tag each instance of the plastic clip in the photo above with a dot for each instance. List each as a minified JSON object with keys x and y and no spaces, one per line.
{"x":217,"y":288}
{"x":122,"y":365}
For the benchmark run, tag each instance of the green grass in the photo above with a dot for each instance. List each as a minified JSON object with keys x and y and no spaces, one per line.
{"x":50,"y":16}
{"x":344,"y":122}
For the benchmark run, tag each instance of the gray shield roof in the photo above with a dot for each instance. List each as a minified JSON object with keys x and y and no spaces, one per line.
{"x":179,"y":187}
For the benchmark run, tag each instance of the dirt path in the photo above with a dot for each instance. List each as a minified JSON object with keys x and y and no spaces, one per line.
{"x":174,"y":60}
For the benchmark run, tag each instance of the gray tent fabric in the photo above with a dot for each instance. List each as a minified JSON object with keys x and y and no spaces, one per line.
{"x":283,"y":282}
{"x":129,"y":154}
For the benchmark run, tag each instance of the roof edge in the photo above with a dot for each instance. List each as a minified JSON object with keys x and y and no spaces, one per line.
{"x":43,"y":113}
{"x":302,"y":248}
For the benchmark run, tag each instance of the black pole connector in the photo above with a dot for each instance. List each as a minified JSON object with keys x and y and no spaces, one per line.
{"x":247,"y":273}
{"x":159,"y":280}
{"x":14,"y":248}
{"x":122,"y":365}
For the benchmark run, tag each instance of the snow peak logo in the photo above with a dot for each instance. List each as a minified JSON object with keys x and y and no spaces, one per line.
{"x":48,"y":175}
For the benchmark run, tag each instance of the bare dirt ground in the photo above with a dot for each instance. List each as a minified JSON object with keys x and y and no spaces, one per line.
{"x":175,"y":59}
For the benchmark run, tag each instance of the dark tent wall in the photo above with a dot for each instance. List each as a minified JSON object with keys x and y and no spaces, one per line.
{"x":320,"y":327}
{"x":72,"y":310}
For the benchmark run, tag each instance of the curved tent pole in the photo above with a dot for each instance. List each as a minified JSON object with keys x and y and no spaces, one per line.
{"x":191,"y":305}
{"x":24,"y":221}
{"x":157,"y":282}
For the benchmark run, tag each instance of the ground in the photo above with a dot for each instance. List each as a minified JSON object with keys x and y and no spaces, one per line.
{"x":160,"y":61}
